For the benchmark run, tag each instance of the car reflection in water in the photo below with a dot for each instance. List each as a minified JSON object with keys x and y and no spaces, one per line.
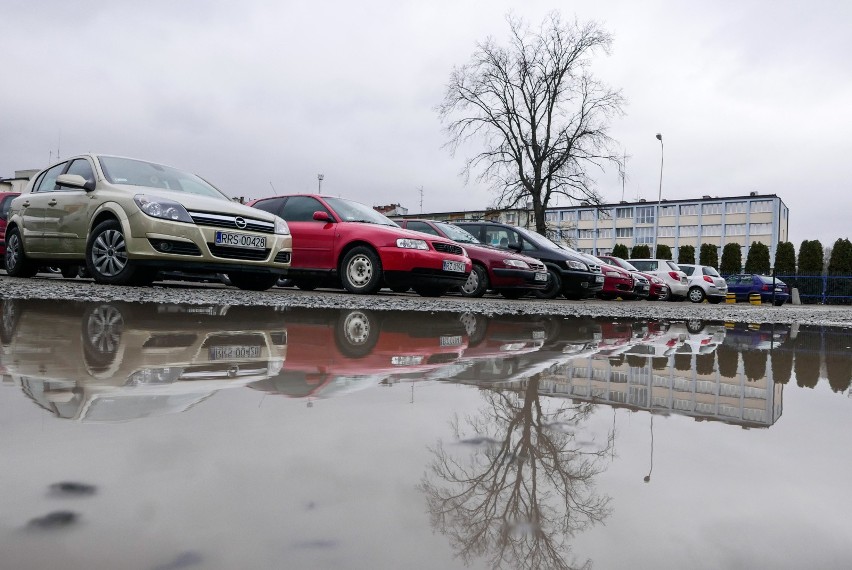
{"x":123,"y":361}
{"x":337,"y":351}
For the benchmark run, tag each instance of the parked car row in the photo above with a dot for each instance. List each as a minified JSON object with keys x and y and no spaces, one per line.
{"x":126,"y":221}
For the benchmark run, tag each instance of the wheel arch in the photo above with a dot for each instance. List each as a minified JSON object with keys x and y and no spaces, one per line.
{"x":349,"y":247}
{"x":110,"y":211}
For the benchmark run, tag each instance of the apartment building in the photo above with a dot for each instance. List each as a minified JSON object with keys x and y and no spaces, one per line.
{"x":597,"y":229}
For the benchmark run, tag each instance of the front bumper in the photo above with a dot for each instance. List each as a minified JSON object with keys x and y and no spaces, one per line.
{"x":414,"y":267}
{"x":517,"y":279}
{"x":581,"y":283}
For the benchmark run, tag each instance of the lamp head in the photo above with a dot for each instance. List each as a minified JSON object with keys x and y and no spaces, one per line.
{"x":660,"y":137}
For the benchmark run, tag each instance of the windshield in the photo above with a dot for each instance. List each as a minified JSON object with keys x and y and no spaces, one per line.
{"x":455,"y":233}
{"x":140,"y":173}
{"x":350,"y":211}
{"x":540,"y":240}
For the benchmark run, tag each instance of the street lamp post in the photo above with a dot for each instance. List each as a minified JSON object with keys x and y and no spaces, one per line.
{"x":320,"y":178}
{"x":659,"y":198}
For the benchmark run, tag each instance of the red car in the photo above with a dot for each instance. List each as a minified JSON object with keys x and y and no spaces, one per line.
{"x":618,"y":282}
{"x":511,"y":274}
{"x":339,"y":242}
{"x":5,"y":200}
{"x":658,"y":291}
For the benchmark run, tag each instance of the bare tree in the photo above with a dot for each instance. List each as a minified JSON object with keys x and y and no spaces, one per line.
{"x":527,"y":489}
{"x":542,"y":116}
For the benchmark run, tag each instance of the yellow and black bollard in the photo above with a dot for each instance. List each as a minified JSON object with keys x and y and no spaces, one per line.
{"x":731,"y":298}
{"x":754,"y":298}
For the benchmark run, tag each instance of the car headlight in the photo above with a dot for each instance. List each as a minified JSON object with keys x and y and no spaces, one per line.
{"x":162,"y":208}
{"x":577,"y":265}
{"x":516,"y":263}
{"x":657,"y":280}
{"x":612,"y":274}
{"x":406,"y":243}
{"x":154,"y":376}
{"x":281,"y":227}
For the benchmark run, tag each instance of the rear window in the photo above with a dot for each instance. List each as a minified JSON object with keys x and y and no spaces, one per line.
{"x":687,"y":269}
{"x":672,"y":265}
{"x":768,"y":279}
{"x":710,"y":271}
{"x":644,"y":265}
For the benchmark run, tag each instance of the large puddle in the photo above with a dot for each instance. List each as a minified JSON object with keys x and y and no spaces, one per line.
{"x":176,"y":436}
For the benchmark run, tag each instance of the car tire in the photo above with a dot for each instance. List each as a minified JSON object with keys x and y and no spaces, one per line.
{"x":514,"y":293}
{"x":361,"y":271}
{"x":400,"y":288}
{"x":696,"y":294}
{"x":554,"y":286}
{"x":606,"y":296}
{"x":778,"y":303}
{"x":477,"y":282}
{"x":665,"y":295}
{"x":716,"y":300}
{"x":103,"y":326}
{"x":17,"y":262}
{"x":249,"y":281}
{"x":106,"y":257}
{"x":694,"y":326}
{"x":356,"y":333}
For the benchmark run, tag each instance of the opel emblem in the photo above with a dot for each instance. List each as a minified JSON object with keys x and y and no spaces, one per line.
{"x":241,"y":223}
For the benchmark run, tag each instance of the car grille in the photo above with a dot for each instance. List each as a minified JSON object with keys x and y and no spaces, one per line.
{"x":447,"y":248}
{"x":238,"y":253}
{"x":282,"y":257}
{"x":230,"y":222}
{"x":594,"y":268}
{"x":536,"y":266}
{"x":174,"y":246}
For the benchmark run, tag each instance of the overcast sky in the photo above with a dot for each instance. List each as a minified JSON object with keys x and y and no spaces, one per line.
{"x":259,"y":96}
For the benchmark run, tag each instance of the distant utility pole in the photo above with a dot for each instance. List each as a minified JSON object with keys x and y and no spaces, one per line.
{"x":420,"y":188}
{"x":320,"y":178}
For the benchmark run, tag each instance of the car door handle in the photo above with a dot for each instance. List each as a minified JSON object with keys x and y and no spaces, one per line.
{"x":26,"y":204}
{"x":52,"y":203}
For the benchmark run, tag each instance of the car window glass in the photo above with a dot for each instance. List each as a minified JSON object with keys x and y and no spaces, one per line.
{"x":672,"y":265}
{"x":645,"y":265}
{"x":422,"y":227}
{"x":688,"y":270}
{"x":272,"y":206}
{"x":711,"y":272}
{"x":473,"y":229}
{"x":48,"y":181}
{"x":501,"y":237}
{"x":4,"y":207}
{"x":80,"y":167}
{"x":528,"y":246}
{"x":301,"y":209}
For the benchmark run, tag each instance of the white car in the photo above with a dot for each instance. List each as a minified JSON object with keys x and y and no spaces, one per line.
{"x":669,"y":272}
{"x":704,"y":283}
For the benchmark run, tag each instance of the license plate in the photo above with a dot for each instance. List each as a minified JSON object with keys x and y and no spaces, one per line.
{"x":231,"y":239}
{"x":450,"y":340}
{"x":541,"y":276}
{"x":599,"y":279}
{"x":457,"y":266}
{"x":233,"y":352}
{"x":779,"y":290}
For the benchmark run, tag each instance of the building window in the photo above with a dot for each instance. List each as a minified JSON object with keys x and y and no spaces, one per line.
{"x":605,"y":214}
{"x":666,"y":211}
{"x":551,"y":216}
{"x":688,"y":231}
{"x":569,"y":216}
{"x":587,"y":215}
{"x":735,"y":208}
{"x":512,"y":218}
{"x":624,"y":232}
{"x":760,"y":229}
{"x":645,"y":215}
{"x":666,"y":231}
{"x":645,"y":235}
{"x":711,"y":230}
{"x":588,"y":250}
{"x":605,"y":233}
{"x":735,"y":229}
{"x":761,"y":206}
{"x":624,"y":212}
{"x":689,"y":210}
{"x":587,"y":234}
{"x":711,"y":208}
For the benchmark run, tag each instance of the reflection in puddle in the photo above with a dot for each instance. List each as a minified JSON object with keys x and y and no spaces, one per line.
{"x":518,"y":479}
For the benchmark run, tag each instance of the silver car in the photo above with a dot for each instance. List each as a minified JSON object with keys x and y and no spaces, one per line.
{"x":704,"y":283}
{"x":125,"y":220}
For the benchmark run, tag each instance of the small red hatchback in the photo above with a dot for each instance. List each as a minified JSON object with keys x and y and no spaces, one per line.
{"x":511,"y":274}
{"x":339,"y":242}
{"x":5,"y":200}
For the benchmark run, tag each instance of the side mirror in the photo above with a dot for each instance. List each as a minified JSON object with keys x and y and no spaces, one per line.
{"x":515,"y":247}
{"x":323,"y":217}
{"x":75,"y":181}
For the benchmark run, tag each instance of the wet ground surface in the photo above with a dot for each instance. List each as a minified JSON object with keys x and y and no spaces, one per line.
{"x":206,"y":435}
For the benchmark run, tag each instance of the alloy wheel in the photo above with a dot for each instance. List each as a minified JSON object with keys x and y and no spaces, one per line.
{"x":109,"y":253}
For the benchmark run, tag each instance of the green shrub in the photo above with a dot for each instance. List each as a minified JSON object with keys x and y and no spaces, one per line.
{"x":642,"y":251}
{"x":664,"y":252}
{"x":620,"y":250}
{"x":785,"y":258}
{"x":811,"y":259}
{"x":709,"y":255}
{"x":758,"y":259}
{"x":732,"y":259}
{"x":686,"y":254}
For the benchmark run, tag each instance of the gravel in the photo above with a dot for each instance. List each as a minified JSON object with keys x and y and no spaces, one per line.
{"x":50,"y":288}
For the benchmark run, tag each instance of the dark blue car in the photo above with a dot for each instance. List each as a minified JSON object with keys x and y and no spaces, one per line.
{"x":744,"y":284}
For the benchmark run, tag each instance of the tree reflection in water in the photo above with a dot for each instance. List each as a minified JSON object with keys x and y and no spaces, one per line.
{"x":520,"y":498}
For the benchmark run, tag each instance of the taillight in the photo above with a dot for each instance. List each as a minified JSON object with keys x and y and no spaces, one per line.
{"x":674,"y":275}
{"x":708,"y":279}
{"x":766,"y":287}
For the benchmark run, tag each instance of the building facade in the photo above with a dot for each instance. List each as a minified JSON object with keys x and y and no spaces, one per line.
{"x":596,"y":229}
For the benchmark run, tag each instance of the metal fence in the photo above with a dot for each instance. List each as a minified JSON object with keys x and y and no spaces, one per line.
{"x":821,"y":289}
